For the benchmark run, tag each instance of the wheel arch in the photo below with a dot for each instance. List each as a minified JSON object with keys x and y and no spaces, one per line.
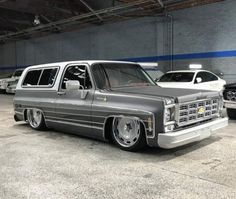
{"x":109,"y":123}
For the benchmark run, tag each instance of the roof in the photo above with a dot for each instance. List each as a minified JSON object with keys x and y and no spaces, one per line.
{"x":90,"y":62}
{"x":186,"y":71}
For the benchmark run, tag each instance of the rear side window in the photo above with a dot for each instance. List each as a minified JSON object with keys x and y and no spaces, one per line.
{"x":48,"y":77}
{"x":42,"y":77}
{"x":32,"y":78}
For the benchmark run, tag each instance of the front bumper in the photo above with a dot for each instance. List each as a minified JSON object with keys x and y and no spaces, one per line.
{"x":10,"y":90}
{"x":3,"y":87}
{"x":230,"y":104}
{"x":193,"y":134}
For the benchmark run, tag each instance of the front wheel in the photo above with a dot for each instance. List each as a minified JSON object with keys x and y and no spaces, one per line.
{"x":128,"y":133}
{"x":231,"y":113}
{"x":36,"y":119}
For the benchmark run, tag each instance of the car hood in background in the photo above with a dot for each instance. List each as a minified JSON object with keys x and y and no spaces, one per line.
{"x":180,"y":95}
{"x":174,"y":84}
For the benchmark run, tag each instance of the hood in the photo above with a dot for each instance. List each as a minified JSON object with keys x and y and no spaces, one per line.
{"x":5,"y":79}
{"x":230,"y":86}
{"x":9,"y":79}
{"x":179,"y":95}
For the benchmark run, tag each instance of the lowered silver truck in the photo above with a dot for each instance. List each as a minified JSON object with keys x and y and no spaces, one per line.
{"x":115,"y":101}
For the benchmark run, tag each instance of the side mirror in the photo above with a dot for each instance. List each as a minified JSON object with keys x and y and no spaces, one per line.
{"x":199,"y":80}
{"x":73,"y":85}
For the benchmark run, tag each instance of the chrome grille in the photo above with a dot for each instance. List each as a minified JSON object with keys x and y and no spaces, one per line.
{"x":197,"y":111}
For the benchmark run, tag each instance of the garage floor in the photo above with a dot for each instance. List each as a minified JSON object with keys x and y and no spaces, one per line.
{"x":56,"y":165}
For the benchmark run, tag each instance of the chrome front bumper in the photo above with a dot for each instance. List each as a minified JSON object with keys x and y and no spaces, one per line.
{"x":230,"y":104}
{"x":11,"y":90}
{"x":193,"y":134}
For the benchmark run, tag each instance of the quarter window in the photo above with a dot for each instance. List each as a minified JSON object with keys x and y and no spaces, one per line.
{"x":40,"y":77}
{"x":79,"y":73}
{"x":48,"y":77}
{"x":32,"y":78}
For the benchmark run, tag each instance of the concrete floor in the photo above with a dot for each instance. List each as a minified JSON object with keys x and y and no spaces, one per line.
{"x":55,"y":165}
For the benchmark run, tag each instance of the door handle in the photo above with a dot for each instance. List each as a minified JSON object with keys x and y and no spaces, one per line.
{"x":61,"y":93}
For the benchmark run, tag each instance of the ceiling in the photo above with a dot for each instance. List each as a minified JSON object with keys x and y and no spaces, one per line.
{"x":23,"y":19}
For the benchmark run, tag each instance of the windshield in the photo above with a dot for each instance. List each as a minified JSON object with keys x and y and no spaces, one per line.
{"x":177,"y":77}
{"x":17,"y":73}
{"x":116,"y":75}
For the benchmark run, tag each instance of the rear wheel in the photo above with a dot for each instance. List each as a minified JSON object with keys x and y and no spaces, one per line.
{"x":128,"y":133}
{"x":36,"y":119}
{"x":231,"y":113}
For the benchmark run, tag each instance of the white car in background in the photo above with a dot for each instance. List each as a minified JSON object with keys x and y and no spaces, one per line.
{"x":6,"y":82}
{"x":192,"y":79}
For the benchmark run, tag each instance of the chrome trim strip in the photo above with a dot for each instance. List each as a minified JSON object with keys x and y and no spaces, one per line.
{"x":76,"y":124}
{"x":73,"y":120}
{"x":74,"y":114}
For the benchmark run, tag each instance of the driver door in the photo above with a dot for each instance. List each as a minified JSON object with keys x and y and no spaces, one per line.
{"x":73,"y":107}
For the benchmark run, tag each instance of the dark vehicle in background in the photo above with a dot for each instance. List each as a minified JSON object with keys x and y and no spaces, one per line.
{"x":230,"y":100}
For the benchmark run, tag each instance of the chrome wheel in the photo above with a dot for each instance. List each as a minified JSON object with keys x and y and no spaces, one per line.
{"x":35,"y":118}
{"x":126,"y":131}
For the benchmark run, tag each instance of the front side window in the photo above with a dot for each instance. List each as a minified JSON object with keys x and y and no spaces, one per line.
{"x":116,"y":75}
{"x":206,"y":77}
{"x":177,"y":77}
{"x":79,"y":73}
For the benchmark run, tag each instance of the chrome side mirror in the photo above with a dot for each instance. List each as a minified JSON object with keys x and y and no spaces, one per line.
{"x":72,"y":85}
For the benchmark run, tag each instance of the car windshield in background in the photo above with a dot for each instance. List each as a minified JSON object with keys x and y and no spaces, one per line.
{"x":177,"y":77}
{"x":113,"y":75}
{"x":18,"y":73}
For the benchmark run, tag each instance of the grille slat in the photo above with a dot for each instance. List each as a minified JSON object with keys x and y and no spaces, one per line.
{"x":193,"y":112}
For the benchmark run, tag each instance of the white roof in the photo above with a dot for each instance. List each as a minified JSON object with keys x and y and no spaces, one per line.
{"x":186,"y":71}
{"x":90,"y":62}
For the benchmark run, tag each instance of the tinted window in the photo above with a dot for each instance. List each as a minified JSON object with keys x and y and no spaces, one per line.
{"x":79,"y":73}
{"x":177,"y":77}
{"x":32,"y":78}
{"x":48,"y":76}
{"x":99,"y":76}
{"x":113,"y":75}
{"x":206,"y":77}
{"x":18,"y":73}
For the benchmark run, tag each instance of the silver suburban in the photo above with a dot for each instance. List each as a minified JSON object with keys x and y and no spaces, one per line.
{"x":118,"y":101}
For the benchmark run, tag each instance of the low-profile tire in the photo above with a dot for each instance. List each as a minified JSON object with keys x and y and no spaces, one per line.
{"x":128,"y":134}
{"x":231,"y":113}
{"x":35,"y":119}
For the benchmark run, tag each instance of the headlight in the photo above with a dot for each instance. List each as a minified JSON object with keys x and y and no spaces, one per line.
{"x":167,"y":115}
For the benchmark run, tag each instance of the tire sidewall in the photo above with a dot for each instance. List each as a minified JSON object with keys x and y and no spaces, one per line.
{"x":42,"y":124}
{"x":140,"y":143}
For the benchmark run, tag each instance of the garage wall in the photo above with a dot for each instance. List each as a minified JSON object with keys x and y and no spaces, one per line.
{"x":199,"y":34}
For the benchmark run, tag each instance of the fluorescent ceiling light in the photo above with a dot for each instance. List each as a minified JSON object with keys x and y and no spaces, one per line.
{"x":148,"y":64}
{"x":195,"y":66}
